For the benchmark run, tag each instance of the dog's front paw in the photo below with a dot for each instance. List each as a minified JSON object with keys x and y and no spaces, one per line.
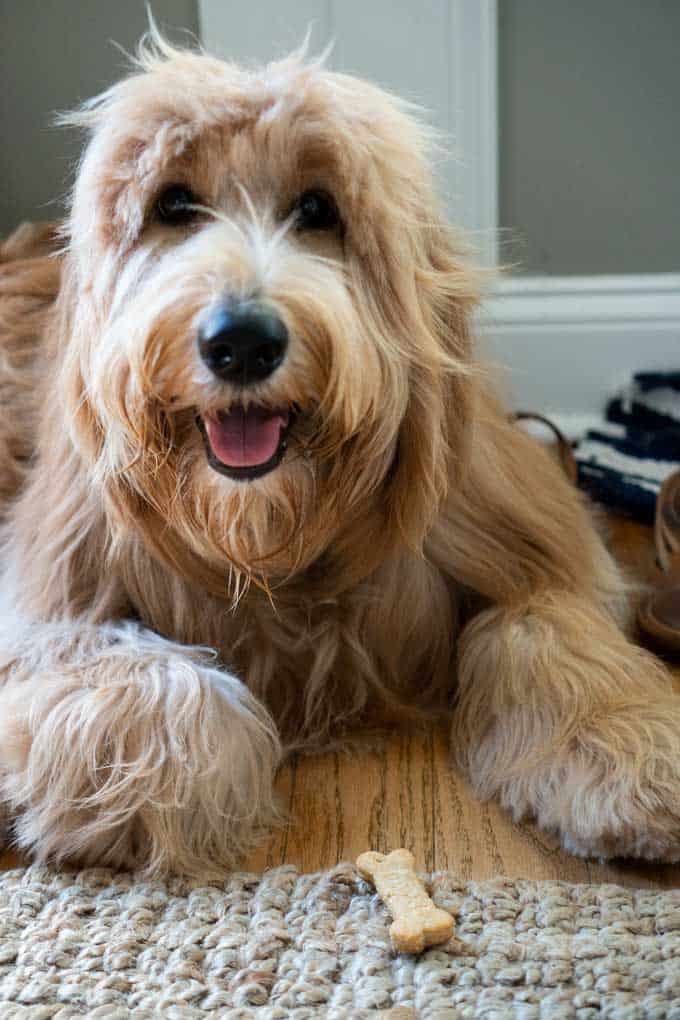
{"x":155,"y":761}
{"x":607,"y":807}
{"x":637,"y":843}
{"x":632,"y":811}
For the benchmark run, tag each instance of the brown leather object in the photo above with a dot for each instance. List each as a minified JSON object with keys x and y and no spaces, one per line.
{"x":659,"y":612}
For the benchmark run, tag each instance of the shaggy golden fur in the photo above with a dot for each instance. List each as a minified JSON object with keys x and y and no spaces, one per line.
{"x":168,"y":630}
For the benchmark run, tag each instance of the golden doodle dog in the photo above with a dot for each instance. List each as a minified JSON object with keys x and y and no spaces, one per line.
{"x":255,"y":486}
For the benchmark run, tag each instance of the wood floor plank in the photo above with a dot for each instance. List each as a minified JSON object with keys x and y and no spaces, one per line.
{"x":10,"y":859}
{"x":272,"y":851}
{"x":378,"y":794}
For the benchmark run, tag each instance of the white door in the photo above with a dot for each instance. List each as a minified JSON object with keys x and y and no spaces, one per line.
{"x":565,"y":340}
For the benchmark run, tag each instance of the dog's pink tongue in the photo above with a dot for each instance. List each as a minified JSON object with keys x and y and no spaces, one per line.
{"x":246,"y":438}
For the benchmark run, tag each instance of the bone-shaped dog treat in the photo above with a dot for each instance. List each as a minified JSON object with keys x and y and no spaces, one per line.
{"x":417,"y":922}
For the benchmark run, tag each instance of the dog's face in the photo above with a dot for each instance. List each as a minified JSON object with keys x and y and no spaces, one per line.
{"x":266,"y":319}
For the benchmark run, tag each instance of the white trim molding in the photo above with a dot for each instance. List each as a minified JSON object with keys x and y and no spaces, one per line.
{"x":567,"y":343}
{"x":585,"y":300}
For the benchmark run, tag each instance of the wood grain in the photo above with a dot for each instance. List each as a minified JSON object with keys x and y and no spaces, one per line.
{"x":400,"y":789}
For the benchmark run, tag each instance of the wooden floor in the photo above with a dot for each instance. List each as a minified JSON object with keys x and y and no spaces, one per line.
{"x":402,"y":791}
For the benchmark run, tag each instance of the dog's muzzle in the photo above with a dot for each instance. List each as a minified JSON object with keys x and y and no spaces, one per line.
{"x":242,"y":342}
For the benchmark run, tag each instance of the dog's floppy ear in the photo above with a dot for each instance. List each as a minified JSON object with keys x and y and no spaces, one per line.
{"x":414,"y":277}
{"x":433,"y":437}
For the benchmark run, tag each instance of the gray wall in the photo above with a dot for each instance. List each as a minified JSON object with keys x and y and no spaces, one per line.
{"x":54,"y":54}
{"x":590,"y":135}
{"x":589,"y":100}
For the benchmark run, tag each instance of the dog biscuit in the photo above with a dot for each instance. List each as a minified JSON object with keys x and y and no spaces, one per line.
{"x":417,"y":922}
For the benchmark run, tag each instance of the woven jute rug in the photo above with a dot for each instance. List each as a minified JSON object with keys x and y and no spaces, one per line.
{"x":99,"y":944}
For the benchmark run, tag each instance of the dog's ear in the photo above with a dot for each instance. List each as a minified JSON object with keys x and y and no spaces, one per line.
{"x":434,"y":433}
{"x":415,"y":277}
{"x":432,"y":442}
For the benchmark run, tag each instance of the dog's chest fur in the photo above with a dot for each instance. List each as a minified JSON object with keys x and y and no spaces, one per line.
{"x":320,"y":662}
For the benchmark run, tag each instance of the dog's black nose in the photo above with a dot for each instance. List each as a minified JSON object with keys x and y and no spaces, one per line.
{"x":242,"y":342}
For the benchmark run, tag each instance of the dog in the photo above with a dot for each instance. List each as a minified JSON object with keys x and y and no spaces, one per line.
{"x":256,"y":485}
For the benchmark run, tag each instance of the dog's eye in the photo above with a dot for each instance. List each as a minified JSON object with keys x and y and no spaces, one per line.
{"x":174,"y":206}
{"x":316,"y":210}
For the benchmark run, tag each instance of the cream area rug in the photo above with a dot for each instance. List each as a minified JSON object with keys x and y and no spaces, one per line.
{"x":98,"y":944}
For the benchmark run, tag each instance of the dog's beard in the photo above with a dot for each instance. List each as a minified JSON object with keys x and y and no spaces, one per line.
{"x":266,"y":531}
{"x":263,"y":530}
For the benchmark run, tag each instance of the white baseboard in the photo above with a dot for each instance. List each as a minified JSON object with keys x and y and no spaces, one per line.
{"x":566,"y":344}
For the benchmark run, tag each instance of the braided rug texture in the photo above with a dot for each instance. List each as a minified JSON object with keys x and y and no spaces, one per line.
{"x":99,"y":944}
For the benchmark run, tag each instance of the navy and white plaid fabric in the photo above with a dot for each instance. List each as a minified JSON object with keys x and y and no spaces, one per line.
{"x":623,"y":463}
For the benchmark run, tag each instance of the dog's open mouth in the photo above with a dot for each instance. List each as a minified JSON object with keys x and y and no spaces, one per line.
{"x":245,"y":443}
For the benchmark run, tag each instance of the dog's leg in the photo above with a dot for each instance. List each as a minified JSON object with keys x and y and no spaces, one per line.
{"x":119,"y":747}
{"x":567,"y":721}
{"x":558,"y":713}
